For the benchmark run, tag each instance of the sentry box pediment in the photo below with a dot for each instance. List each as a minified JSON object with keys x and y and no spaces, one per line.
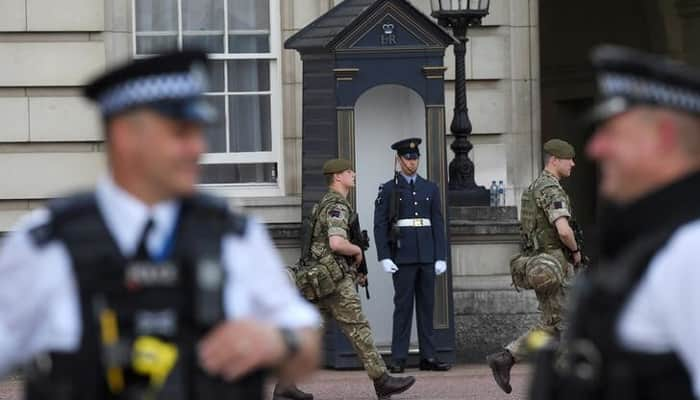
{"x":367,"y":25}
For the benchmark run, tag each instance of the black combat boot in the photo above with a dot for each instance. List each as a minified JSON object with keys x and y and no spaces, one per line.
{"x":500,"y":364}
{"x":386,"y":385}
{"x":290,"y":392}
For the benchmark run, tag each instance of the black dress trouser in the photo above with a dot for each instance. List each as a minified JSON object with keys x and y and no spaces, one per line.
{"x":413,"y":281}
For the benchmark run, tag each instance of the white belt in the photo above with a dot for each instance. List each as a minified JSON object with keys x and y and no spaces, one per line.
{"x":413,"y":222}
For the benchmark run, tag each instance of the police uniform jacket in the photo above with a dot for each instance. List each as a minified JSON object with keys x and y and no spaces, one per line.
{"x":416,"y":244}
{"x":39,"y":301}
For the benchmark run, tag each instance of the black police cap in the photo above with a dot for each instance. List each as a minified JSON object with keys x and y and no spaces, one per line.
{"x":628,"y":77}
{"x":407,"y":148}
{"x":172,"y":84}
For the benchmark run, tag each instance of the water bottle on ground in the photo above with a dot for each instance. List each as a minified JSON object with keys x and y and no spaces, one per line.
{"x":501,"y":194}
{"x":494,"y":194}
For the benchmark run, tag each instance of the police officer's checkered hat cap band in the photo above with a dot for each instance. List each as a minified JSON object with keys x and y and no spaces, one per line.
{"x":151,"y":89}
{"x":628,"y":77}
{"x":172,"y":84}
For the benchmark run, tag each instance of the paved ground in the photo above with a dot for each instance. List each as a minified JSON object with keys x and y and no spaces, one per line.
{"x":465,"y":382}
{"x":10,"y":389}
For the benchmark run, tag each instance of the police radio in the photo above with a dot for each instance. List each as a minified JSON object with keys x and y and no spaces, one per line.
{"x":209,"y":287}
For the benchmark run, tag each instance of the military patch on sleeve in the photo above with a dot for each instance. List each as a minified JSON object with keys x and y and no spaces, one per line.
{"x":336,"y":213}
{"x":379,"y":195}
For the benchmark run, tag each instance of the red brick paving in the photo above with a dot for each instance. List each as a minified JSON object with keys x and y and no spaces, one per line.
{"x":10,"y":389}
{"x":464,"y":382}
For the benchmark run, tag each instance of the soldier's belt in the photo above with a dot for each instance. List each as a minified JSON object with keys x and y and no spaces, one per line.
{"x":413,"y":222}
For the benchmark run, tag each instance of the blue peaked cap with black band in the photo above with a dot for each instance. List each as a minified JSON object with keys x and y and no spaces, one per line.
{"x":407,"y":148}
{"x":628,"y":78}
{"x":171,"y":84}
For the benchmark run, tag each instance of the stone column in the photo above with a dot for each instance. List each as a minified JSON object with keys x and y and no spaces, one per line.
{"x":436,"y":153}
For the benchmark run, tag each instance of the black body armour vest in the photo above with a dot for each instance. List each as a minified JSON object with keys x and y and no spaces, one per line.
{"x":141,"y":320}
{"x":590,"y":363}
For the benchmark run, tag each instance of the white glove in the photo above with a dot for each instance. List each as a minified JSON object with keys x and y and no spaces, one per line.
{"x":440,"y":267}
{"x":389,"y":266}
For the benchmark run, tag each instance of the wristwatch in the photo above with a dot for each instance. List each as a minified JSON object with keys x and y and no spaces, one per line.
{"x":291,"y":341}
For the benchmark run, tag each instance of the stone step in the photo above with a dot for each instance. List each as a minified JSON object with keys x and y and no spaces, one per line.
{"x":484,"y":214}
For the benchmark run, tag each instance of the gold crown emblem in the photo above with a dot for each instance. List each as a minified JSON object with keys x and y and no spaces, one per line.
{"x":412,"y":145}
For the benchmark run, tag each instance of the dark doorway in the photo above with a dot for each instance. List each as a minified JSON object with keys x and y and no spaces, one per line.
{"x":568,"y":32}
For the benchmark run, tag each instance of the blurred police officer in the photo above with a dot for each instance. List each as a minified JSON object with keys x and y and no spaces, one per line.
{"x":635,"y":328}
{"x":410,"y":236}
{"x":548,"y":251}
{"x":145,"y":288}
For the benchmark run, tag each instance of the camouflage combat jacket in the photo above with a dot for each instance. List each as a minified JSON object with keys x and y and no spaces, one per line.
{"x":333,"y":213}
{"x":543,"y":202}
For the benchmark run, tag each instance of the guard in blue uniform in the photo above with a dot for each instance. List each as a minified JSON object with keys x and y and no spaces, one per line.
{"x":410,"y":236}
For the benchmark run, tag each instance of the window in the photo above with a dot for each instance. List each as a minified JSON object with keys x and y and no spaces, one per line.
{"x":242,"y":38}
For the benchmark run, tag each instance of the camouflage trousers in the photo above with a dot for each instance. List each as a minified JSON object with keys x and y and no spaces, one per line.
{"x":552,"y":308}
{"x":344,"y":306}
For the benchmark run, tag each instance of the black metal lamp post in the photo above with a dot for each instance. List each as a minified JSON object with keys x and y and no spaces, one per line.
{"x":459,"y":15}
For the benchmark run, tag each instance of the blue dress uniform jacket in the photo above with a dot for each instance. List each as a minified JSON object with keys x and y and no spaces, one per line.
{"x":416,"y":245}
{"x":417,"y":250}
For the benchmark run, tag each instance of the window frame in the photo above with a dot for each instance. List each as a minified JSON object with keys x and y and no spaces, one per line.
{"x":274,"y":56}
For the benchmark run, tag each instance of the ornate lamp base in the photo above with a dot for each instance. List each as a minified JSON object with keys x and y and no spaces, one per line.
{"x":463,"y":190}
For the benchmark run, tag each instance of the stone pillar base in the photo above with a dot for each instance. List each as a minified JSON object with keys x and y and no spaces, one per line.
{"x":489,"y":312}
{"x":478,"y":196}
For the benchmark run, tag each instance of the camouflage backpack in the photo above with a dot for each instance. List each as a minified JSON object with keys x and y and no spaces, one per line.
{"x":542,"y":272}
{"x":517,"y":271}
{"x":315,"y":277}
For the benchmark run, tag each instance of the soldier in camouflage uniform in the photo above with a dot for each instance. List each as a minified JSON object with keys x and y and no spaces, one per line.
{"x":548,"y":256}
{"x":331,"y":248}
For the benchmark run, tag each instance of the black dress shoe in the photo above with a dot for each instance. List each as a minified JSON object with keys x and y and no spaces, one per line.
{"x":397,"y":367}
{"x":433,"y":364}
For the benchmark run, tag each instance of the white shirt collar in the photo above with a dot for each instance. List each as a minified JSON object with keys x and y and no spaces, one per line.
{"x":409,"y":178}
{"x":126,"y":217}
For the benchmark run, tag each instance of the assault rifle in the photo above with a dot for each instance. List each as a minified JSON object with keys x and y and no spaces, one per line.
{"x":394,"y":241}
{"x":578,"y":235}
{"x":360,"y":238}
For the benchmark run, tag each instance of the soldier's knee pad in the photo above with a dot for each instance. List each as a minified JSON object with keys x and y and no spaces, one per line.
{"x":544,"y":273}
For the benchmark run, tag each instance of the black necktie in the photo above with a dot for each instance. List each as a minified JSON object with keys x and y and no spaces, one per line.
{"x":413,"y":185}
{"x":142,"y":251}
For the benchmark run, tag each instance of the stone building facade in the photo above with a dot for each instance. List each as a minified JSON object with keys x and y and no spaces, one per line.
{"x":527,"y":79}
